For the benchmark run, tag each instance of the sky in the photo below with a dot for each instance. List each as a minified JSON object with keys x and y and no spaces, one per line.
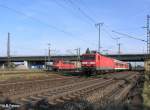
{"x":70,"y":24}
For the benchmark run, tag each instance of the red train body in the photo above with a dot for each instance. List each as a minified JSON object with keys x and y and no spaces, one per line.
{"x":63,"y":65}
{"x":91,"y":63}
{"x":96,"y":62}
{"x":120,"y":65}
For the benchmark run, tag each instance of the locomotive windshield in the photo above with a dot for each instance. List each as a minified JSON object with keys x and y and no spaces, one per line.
{"x":88,"y":57}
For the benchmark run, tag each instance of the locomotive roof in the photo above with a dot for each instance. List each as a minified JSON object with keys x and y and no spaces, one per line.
{"x":115,"y":60}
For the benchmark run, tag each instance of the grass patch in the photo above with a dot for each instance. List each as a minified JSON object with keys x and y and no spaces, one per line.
{"x":27,"y":75}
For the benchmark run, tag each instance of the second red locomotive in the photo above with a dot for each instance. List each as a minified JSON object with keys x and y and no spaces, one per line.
{"x":63,"y":65}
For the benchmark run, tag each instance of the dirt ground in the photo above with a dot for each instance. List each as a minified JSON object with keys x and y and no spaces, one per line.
{"x":146,"y":91}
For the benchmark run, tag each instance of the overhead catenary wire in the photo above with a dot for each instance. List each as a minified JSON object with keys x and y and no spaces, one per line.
{"x":35,"y":19}
{"x":69,"y":34}
{"x":129,"y":36}
{"x":92,"y":20}
{"x":68,"y":10}
{"x":62,"y":6}
{"x":82,"y":11}
{"x":87,"y":17}
{"x":108,"y":33}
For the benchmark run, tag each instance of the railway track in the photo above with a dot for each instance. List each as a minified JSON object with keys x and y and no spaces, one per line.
{"x":59,"y":94}
{"x":61,"y":89}
{"x":11,"y":89}
{"x":121,"y":92}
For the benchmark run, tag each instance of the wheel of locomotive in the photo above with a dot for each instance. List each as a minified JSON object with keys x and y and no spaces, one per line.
{"x":88,"y":73}
{"x":94,"y":72}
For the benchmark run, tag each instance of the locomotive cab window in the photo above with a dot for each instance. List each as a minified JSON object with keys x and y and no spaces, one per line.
{"x":88,"y":57}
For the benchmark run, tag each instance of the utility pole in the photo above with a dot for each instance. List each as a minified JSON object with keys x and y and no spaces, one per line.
{"x":148,"y":42}
{"x":78,"y":57}
{"x":45,"y":59}
{"x":79,"y":53}
{"x":49,"y":53}
{"x":119,"y":48}
{"x":148,"y":35}
{"x":118,"y":44}
{"x":99,"y":40}
{"x":8,"y":51}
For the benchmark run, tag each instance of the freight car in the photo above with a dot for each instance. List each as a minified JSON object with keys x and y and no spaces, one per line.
{"x":61,"y":65}
{"x":96,"y":62}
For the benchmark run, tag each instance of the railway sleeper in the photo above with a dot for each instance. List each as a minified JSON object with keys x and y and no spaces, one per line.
{"x":66,"y":98}
{"x":55,"y":97}
{"x":59,"y":100}
{"x":35,"y":98}
{"x":55,"y":89}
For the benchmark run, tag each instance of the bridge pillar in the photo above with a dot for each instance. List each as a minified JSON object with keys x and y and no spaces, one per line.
{"x":147,"y":65}
{"x":2,"y":65}
{"x":22,"y":65}
{"x":26,"y":64}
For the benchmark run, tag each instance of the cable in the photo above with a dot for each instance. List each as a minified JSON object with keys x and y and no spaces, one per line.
{"x":86,"y":7}
{"x":42,"y":22}
{"x":33,"y":18}
{"x":108,"y":33}
{"x":82,"y":12}
{"x":68,"y":10}
{"x":128,"y":36}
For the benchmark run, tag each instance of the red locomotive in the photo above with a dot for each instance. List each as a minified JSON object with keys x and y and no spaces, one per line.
{"x":63,"y":65}
{"x":95,"y":62}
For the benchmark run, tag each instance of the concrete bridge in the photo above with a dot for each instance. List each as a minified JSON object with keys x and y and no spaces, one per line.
{"x":30,"y":61}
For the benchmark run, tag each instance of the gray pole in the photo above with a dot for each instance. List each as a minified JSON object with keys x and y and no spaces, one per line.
{"x":118,"y":44}
{"x":79,"y":54}
{"x":45,"y":59}
{"x":148,"y":35}
{"x":99,"y":40}
{"x":49,"y":52}
{"x":8,"y":51}
{"x":77,"y":51}
{"x":119,"y":48}
{"x":148,"y":38}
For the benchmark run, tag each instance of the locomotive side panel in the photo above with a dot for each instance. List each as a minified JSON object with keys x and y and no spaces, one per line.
{"x":61,"y":65}
{"x":104,"y":63}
